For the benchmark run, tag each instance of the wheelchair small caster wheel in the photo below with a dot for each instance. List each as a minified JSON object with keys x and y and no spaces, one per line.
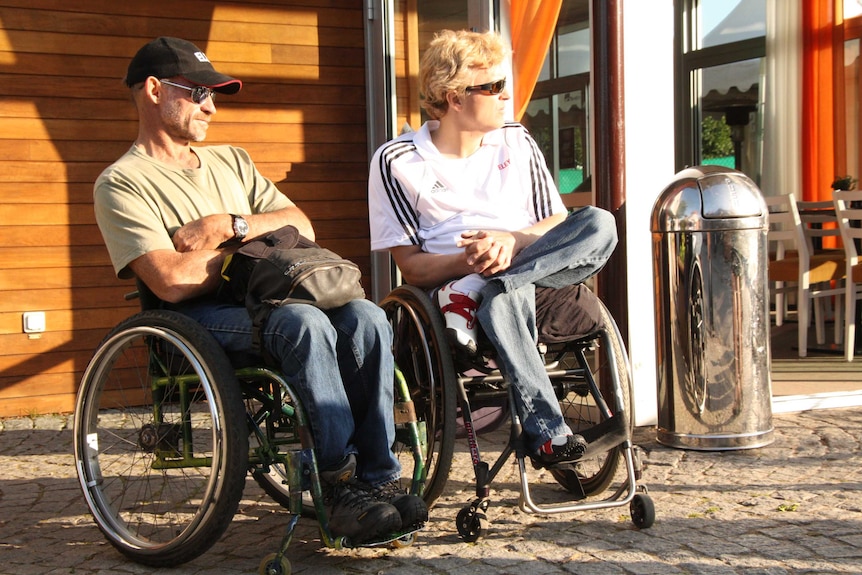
{"x":472,"y":524}
{"x":272,"y":565}
{"x":642,"y":510}
{"x":404,"y":541}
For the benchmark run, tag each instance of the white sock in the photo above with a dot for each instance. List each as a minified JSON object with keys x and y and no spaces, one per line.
{"x":469,"y":283}
{"x":561,"y":439}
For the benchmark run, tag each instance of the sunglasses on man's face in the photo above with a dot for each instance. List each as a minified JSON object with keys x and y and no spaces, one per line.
{"x":489,"y":89}
{"x":199,"y":93}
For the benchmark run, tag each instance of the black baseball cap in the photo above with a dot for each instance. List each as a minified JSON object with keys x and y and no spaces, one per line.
{"x":166,"y":57}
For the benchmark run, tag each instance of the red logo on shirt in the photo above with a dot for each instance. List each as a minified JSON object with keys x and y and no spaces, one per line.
{"x":504,"y":165}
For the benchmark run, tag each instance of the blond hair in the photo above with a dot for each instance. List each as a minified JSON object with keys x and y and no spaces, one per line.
{"x":449,"y":61}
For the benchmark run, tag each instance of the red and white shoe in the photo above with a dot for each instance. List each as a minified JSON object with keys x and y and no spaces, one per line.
{"x":562,"y":448}
{"x":459,"y":313}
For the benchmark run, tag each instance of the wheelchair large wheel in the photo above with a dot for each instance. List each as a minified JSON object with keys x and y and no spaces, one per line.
{"x":160,"y":439}
{"x":606,"y":364}
{"x":423,"y":355}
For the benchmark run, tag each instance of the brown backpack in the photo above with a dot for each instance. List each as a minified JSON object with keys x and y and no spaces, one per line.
{"x":282,"y":267}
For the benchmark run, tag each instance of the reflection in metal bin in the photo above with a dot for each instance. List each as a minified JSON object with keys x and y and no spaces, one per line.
{"x":712,"y":312}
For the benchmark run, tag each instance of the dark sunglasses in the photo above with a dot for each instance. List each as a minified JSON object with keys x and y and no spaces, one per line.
{"x":199,"y":93}
{"x":489,"y":89}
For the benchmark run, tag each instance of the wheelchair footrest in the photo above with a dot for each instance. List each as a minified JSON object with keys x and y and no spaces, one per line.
{"x":385,"y":539}
{"x":605,"y":436}
{"x":600,"y":438}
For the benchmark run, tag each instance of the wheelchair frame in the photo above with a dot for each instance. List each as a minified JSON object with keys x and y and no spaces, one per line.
{"x":595,"y":394}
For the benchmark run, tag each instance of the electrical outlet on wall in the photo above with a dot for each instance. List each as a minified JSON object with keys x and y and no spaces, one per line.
{"x":34,"y":321}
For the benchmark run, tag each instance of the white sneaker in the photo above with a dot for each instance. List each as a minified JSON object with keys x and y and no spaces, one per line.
{"x":459,"y":313}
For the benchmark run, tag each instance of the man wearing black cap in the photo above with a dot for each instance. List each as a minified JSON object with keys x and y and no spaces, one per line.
{"x":169,"y":214}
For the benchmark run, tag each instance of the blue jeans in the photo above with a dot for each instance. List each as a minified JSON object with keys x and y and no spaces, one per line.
{"x":340,"y":364}
{"x":568,"y":254}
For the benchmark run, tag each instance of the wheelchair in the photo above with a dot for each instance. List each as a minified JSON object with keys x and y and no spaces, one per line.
{"x":454,"y":395}
{"x":167,"y":427}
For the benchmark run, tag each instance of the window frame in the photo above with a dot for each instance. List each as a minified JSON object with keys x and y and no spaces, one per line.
{"x":556,"y":86}
{"x":850,"y":29}
{"x":688,"y":60}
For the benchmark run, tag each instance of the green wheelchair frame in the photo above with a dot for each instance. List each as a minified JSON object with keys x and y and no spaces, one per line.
{"x":166,"y":429}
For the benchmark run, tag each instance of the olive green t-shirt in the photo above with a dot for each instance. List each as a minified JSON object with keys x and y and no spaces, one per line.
{"x":140,"y":202}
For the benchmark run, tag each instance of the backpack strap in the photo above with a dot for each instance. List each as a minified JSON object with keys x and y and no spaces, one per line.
{"x":258,"y":324}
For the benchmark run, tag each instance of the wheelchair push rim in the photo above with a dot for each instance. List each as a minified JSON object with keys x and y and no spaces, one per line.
{"x":423,"y":357}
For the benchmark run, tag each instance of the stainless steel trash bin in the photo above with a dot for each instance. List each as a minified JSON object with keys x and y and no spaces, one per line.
{"x":710,"y":262}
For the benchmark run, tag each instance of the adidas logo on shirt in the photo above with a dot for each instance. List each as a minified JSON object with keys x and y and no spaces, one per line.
{"x":438,"y":187}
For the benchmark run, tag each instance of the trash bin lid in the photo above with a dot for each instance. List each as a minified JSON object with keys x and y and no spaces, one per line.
{"x":709,"y":198}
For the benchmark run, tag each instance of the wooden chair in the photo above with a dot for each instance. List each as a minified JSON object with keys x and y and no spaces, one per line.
{"x":790,"y":261}
{"x":848,"y":212}
{"x":819,"y":222}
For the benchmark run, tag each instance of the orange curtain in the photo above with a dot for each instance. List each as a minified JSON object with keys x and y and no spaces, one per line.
{"x":533,"y":25}
{"x":818,"y":157}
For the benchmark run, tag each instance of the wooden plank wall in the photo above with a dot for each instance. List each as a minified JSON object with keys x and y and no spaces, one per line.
{"x":65,"y":115}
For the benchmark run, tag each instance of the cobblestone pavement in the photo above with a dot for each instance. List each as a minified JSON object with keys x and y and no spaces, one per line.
{"x":791,"y":507}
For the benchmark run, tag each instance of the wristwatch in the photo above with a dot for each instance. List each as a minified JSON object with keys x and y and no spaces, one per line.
{"x":240,"y":227}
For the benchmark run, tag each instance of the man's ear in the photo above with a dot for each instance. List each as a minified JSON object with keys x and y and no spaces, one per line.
{"x":152,"y":89}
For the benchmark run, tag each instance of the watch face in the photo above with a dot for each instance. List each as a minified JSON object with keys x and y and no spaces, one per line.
{"x":240,"y":226}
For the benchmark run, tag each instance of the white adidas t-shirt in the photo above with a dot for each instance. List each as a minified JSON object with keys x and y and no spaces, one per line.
{"x":418,"y":197}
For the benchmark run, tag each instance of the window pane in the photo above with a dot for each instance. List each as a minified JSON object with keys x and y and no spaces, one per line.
{"x":559,"y":126}
{"x":573,"y":117}
{"x":440,"y":15}
{"x":573,"y":52}
{"x":539,"y":122}
{"x":852,"y":8}
{"x":726,"y":21}
{"x":545,"y":73}
{"x":412,"y":36}
{"x":730,"y":120}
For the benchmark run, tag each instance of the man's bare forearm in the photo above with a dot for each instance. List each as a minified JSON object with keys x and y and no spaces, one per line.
{"x":177,"y":276}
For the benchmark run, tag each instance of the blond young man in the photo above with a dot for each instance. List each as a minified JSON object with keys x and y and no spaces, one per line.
{"x":467,"y":207}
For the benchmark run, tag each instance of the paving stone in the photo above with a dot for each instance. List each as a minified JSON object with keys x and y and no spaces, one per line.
{"x":791,"y":507}
{"x":17,"y":424}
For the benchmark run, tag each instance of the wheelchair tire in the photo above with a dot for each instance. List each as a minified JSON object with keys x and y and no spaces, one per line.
{"x":423,"y":355}
{"x":607,"y":360}
{"x":161,"y":442}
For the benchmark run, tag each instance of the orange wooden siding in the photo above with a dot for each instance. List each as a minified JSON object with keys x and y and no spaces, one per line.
{"x":65,"y":115}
